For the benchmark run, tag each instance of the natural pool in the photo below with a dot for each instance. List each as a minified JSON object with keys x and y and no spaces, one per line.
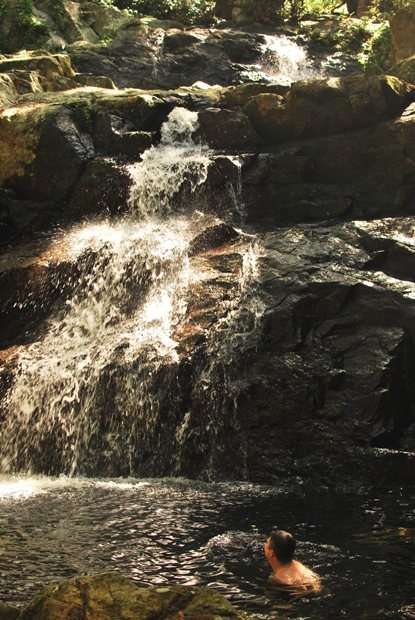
{"x":180,"y":531}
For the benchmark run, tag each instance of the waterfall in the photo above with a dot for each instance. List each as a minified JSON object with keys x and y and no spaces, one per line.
{"x":285,"y":61}
{"x":99,"y":389}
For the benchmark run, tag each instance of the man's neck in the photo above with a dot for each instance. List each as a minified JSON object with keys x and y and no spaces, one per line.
{"x":276,"y":565}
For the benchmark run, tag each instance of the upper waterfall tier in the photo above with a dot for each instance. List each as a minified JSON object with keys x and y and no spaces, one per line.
{"x":89,"y":393}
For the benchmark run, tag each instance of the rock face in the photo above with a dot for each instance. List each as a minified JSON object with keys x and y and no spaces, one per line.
{"x":403,"y":33}
{"x":327,"y":107}
{"x":295,"y":368}
{"x":112,"y":597}
{"x":57,"y":23}
{"x":405,"y":70}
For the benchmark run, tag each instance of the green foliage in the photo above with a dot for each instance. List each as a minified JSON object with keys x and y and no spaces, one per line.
{"x":187,"y":11}
{"x":338,"y":34}
{"x":376,"y":54}
{"x":21,"y":27}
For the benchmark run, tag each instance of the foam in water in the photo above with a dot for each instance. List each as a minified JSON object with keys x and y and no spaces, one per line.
{"x":164,"y":169}
{"x":285,"y":61}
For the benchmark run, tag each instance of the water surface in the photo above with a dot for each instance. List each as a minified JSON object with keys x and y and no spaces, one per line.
{"x":178,"y":531}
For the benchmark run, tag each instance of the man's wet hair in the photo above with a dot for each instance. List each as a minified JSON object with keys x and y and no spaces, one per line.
{"x":283,"y":545}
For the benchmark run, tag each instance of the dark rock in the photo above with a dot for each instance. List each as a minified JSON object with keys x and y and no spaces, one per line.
{"x":136,"y":59}
{"x":243,"y":47}
{"x":328,"y":375}
{"x":62,"y":142}
{"x":336,"y":176}
{"x":223,"y":9}
{"x":179,"y":40}
{"x":115,"y":136}
{"x":8,"y":613}
{"x":212,"y":237}
{"x":87,"y":597}
{"x":226,"y":129}
{"x":102,"y":189}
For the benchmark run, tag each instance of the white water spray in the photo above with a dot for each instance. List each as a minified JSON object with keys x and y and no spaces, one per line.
{"x":285,"y":61}
{"x":99,"y":387}
{"x":130,"y":296}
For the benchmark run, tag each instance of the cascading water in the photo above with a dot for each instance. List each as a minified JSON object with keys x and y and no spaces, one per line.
{"x":99,"y":390}
{"x":285,"y":61}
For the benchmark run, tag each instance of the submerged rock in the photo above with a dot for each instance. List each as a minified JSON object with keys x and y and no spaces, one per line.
{"x":112,"y":597}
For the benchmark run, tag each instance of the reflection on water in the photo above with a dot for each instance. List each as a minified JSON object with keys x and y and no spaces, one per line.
{"x":177,"y":531}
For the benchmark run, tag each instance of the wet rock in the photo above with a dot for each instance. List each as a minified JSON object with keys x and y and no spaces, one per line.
{"x":22,"y":217}
{"x":317,"y":385}
{"x":102,"y":189}
{"x":212,"y":237}
{"x":110,"y":596}
{"x":403,"y":33}
{"x":324,"y":107}
{"x":226,"y":129}
{"x":335,"y":176}
{"x":137,"y":58}
{"x":115,"y":135}
{"x":61,"y":141}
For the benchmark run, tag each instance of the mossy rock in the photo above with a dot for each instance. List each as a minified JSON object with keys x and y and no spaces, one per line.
{"x":19,"y":137}
{"x":20,"y":27}
{"x":326,"y":107}
{"x":113,"y":597}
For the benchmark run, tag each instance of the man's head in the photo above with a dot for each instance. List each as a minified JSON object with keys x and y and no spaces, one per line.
{"x":280,"y":545}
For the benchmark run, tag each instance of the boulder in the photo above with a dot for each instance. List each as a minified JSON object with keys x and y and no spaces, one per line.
{"x":39,"y":71}
{"x":403,"y":33}
{"x":111,"y":596}
{"x":325,"y":107}
{"x":99,"y":81}
{"x":226,"y":129}
{"x":212,"y":237}
{"x":405,"y":70}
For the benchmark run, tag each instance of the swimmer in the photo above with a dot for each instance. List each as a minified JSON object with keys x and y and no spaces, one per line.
{"x":279,"y":551}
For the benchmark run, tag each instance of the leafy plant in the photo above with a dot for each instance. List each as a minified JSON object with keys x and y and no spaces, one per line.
{"x":376,"y":53}
{"x":188,"y":11}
